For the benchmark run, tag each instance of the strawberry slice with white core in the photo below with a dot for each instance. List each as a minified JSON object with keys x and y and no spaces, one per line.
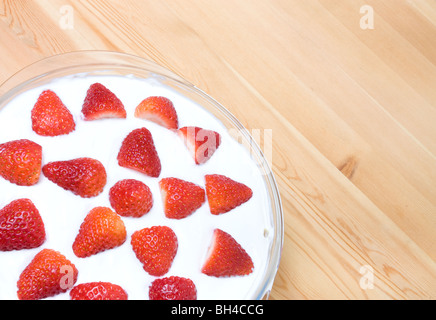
{"x":180,"y":198}
{"x":101,"y":103}
{"x":159,"y":110}
{"x":226,"y":257}
{"x":138,"y":152}
{"x":225,"y":194}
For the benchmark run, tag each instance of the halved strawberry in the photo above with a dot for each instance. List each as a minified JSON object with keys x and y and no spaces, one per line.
{"x":180,"y":198}
{"x":138,"y":152}
{"x":172,"y":288}
{"x":159,"y":110}
{"x":102,"y":229}
{"x":155,"y":248}
{"x":225,"y":194}
{"x":98,"y":291}
{"x":85,"y":177}
{"x":131,"y":198}
{"x":48,"y":274}
{"x":200,"y":142}
{"x":20,"y":162}
{"x":226,"y":257}
{"x":102,"y":103}
{"x":50,"y":117}
{"x":21,"y":226}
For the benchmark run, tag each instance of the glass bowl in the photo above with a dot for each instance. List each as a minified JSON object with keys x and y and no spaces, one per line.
{"x":115,"y":63}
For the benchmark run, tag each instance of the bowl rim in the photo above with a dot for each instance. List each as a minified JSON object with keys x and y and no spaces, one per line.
{"x":13,"y":85}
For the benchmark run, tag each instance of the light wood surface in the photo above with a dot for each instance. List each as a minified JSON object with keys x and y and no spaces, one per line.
{"x":352,"y":112}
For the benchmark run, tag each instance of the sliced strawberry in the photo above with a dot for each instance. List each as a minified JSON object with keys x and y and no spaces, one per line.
{"x":201,"y":143}
{"x":138,"y":152}
{"x":226,"y":257}
{"x":155,"y":248}
{"x":85,"y":177}
{"x":131,"y":198}
{"x":180,"y":198}
{"x":225,"y":194}
{"x":172,"y":288}
{"x":102,"y":103}
{"x":20,"y":162}
{"x":48,"y":274}
{"x":98,"y":291}
{"x":159,"y":110}
{"x":21,"y":226}
{"x":50,"y":117}
{"x":102,"y":229}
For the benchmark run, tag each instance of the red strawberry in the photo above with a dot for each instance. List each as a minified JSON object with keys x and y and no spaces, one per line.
{"x":102,"y":103}
{"x":180,"y":198}
{"x":139,"y":153}
{"x":200,"y":142}
{"x":48,"y":274}
{"x":159,"y":110}
{"x":102,"y":229}
{"x":226,"y":257}
{"x":98,"y":291}
{"x":21,"y":226}
{"x":155,"y":248}
{"x":131,"y":198}
{"x":85,"y":177}
{"x":20,"y":162}
{"x":225,"y":194}
{"x":172,"y":288}
{"x":50,"y":117}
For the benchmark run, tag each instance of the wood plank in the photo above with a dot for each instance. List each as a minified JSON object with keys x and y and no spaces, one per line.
{"x":352,"y":114}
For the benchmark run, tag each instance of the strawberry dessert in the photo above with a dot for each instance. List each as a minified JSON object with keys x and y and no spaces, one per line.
{"x":116,"y":188}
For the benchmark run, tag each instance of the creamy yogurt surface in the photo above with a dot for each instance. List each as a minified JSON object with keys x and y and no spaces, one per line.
{"x":63,"y":212}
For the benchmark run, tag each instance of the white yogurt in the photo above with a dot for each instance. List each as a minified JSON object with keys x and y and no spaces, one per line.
{"x":63,"y":212}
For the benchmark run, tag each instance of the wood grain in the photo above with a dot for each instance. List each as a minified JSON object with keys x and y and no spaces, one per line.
{"x":352,"y":114}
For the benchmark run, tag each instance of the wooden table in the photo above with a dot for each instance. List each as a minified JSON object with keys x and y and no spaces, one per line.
{"x":348,"y":88}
